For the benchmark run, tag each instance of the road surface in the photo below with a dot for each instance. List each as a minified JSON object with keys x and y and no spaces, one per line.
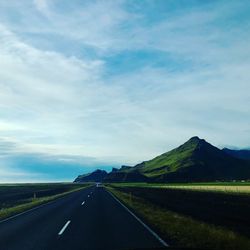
{"x":88,"y":219}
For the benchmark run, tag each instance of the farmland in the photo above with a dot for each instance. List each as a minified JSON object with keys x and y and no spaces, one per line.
{"x":216,"y":188}
{"x":192,"y":212}
{"x":228,"y":187}
{"x":16,"y":198}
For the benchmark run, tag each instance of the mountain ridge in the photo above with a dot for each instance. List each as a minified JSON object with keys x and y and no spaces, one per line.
{"x":241,"y":153}
{"x":96,"y":176}
{"x":194,"y":160}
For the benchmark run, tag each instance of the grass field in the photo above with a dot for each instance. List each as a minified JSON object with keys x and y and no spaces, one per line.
{"x":16,"y":198}
{"x":230,"y":187}
{"x":189,"y":218}
{"x":218,"y":188}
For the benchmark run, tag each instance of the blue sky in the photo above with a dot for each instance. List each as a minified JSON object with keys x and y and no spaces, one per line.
{"x":97,"y":84}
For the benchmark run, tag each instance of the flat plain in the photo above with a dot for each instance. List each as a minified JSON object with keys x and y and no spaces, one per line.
{"x":191,"y":215}
{"x":16,"y":198}
{"x":228,"y":187}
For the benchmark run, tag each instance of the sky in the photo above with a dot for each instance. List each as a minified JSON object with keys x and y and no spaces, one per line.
{"x":99,"y":84}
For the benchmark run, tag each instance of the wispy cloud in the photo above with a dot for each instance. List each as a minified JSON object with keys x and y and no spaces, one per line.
{"x":109,"y":82}
{"x":42,"y":6}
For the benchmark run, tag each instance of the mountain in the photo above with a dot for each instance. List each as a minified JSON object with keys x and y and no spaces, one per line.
{"x":96,"y":176}
{"x":241,"y":154}
{"x":124,"y":167}
{"x":195,"y":160}
{"x":122,"y":175}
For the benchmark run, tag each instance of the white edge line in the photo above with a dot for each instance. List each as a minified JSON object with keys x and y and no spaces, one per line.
{"x":83,"y":202}
{"x":34,"y":208}
{"x":139,"y":220}
{"x":64,"y":227}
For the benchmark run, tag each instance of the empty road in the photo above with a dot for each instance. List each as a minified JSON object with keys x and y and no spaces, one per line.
{"x":88,"y":219}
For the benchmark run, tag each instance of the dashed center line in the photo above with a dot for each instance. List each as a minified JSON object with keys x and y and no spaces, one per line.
{"x":64,"y":227}
{"x":83,"y":202}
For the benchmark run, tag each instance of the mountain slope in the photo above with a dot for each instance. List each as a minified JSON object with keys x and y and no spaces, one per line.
{"x":241,"y":154}
{"x":125,"y":176}
{"x":96,"y":176}
{"x":195,"y":160}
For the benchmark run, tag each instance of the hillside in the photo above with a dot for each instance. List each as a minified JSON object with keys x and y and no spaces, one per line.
{"x":195,"y":160}
{"x":96,"y":176}
{"x":123,"y":175}
{"x":241,"y":154}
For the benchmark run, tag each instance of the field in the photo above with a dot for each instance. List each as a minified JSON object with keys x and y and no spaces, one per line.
{"x":190,"y":218}
{"x":228,"y":187}
{"x":219,"y":188}
{"x":16,"y":198}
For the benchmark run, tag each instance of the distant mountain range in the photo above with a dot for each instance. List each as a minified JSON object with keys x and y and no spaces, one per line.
{"x":96,"y":176}
{"x":195,"y":160}
{"x":241,"y":154}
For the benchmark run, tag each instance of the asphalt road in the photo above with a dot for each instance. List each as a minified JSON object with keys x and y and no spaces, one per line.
{"x":87,"y":219}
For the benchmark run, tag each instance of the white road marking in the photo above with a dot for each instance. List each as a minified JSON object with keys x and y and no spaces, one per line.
{"x":83,"y":202}
{"x":36,"y":208}
{"x":64,"y":227}
{"x":139,"y":220}
{"x":32,"y":209}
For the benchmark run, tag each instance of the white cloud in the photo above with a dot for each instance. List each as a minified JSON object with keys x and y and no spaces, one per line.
{"x":67,"y":105}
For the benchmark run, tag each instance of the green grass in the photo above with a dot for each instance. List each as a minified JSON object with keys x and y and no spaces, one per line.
{"x":167,"y":162}
{"x":182,"y":231}
{"x":224,"y":209}
{"x":225,"y":186}
{"x":241,"y":188}
{"x":236,"y":183}
{"x":18,"y":206}
{"x":170,"y":161}
{"x":145,"y":184}
{"x":15,"y":194}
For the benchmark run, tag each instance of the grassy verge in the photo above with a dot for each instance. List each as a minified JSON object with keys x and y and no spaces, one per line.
{"x":226,"y":210}
{"x":180,"y":230}
{"x":31,"y":203}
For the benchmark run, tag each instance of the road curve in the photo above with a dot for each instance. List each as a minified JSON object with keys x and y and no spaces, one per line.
{"x":87,"y":219}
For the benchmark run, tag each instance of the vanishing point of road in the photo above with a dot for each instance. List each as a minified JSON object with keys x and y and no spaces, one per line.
{"x":86,"y":220}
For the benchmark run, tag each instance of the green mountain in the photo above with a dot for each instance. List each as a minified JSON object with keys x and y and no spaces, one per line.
{"x":195,"y":160}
